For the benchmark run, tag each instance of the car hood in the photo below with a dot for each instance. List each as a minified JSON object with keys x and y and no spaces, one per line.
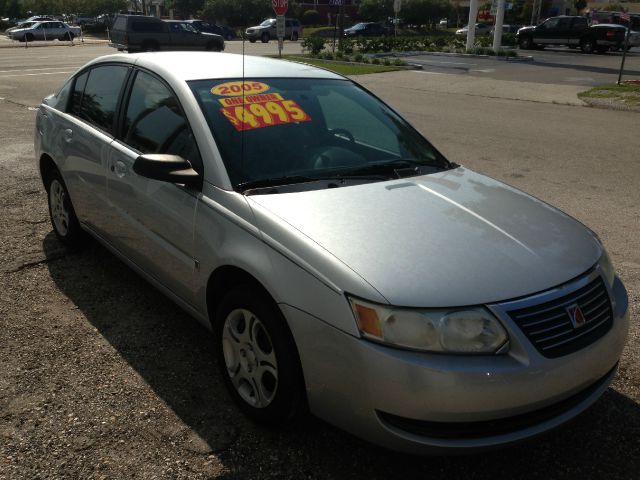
{"x":448,"y":239}
{"x":526,"y":29}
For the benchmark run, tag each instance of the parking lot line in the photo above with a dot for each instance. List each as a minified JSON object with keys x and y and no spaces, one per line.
{"x":35,"y":69}
{"x":35,"y":74}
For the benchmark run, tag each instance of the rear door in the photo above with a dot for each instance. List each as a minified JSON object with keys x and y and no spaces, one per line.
{"x":86,"y":133}
{"x":153,"y":221}
{"x":578,"y":28}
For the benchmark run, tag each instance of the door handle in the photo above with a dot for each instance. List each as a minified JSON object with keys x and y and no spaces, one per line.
{"x":68,"y":135}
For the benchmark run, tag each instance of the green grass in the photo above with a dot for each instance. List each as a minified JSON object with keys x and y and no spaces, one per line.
{"x":625,"y":93}
{"x":342,"y":68}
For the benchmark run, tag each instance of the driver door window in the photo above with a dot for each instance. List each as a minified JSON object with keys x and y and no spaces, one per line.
{"x":155,"y":123}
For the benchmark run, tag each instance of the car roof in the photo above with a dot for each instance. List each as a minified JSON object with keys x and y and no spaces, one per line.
{"x":185,"y":66}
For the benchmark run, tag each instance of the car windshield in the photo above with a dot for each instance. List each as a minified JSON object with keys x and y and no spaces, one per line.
{"x":309,"y":129}
{"x":268,"y":23}
{"x":359,"y":26}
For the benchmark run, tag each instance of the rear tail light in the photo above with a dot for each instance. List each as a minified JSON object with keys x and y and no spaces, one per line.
{"x":611,"y":33}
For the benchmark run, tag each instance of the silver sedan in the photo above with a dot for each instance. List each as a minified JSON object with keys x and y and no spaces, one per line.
{"x":342,"y":263}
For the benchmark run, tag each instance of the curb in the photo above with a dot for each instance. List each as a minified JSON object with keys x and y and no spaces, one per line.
{"x":43,"y":43}
{"x":408,"y":66}
{"x":527,"y":58}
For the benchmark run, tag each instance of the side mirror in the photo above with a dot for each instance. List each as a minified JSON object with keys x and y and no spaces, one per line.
{"x":167,"y":168}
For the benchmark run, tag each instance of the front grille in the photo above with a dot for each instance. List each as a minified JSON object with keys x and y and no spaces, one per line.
{"x":549,"y":327}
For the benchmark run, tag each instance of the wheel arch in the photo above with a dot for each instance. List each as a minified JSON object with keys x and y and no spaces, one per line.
{"x":224,"y":279}
{"x":47,"y":166}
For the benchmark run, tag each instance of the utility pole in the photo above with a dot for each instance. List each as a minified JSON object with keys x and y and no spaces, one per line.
{"x":471,"y":33}
{"x":497,"y":32}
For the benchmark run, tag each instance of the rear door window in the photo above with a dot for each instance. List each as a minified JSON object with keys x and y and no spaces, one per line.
{"x":101,"y":93}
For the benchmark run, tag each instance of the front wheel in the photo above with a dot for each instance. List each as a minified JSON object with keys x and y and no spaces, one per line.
{"x":29,"y":37}
{"x":525,"y":43}
{"x":63,"y":216}
{"x":257,"y":357}
{"x":265,"y":38}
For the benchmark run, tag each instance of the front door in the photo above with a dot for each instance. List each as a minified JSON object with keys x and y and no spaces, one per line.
{"x":153,"y":221}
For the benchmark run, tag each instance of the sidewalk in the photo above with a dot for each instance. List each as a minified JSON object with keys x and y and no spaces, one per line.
{"x":443,"y":83}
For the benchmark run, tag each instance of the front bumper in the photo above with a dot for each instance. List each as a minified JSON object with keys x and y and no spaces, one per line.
{"x":401,"y":399}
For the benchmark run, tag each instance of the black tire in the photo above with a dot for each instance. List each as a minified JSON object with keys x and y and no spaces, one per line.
{"x":587,"y":45}
{"x":525,"y":43}
{"x":294,"y":37}
{"x":252,"y":40}
{"x":67,"y":37}
{"x":264,"y":38}
{"x":61,"y":212}
{"x":279,"y":398}
{"x":29,"y":37}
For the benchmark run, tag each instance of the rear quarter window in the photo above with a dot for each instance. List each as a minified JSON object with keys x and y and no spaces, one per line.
{"x":120,"y":23}
{"x":147,"y":27}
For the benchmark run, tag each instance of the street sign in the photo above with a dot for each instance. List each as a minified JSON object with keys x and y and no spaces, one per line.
{"x":280,"y":26}
{"x":280,"y":6}
{"x":397,"y":5}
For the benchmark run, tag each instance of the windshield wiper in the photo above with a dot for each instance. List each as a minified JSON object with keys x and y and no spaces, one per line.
{"x":401,"y":167}
{"x":273,"y":182}
{"x":294,"y":179}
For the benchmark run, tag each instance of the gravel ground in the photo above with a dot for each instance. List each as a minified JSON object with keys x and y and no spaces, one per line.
{"x":102,"y":377}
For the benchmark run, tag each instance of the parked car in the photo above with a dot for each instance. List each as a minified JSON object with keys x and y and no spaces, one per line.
{"x":45,"y":31}
{"x":367,"y":29}
{"x":136,"y":32}
{"x":268,"y":30}
{"x":481,"y":29}
{"x":341,"y":261}
{"x":573,"y":31}
{"x":506,"y":29}
{"x":85,"y":19}
{"x":226,"y":32}
{"x":444,"y":23}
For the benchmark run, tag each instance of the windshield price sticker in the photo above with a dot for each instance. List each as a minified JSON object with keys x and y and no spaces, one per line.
{"x":260,"y":98}
{"x":232,"y":89}
{"x":249,"y":116}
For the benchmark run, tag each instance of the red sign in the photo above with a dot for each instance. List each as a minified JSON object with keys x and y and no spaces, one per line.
{"x":280,"y":6}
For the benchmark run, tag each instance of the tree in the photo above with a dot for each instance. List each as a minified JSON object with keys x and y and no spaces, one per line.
{"x":237,"y":13}
{"x":614,"y":7}
{"x":580,"y":5}
{"x":376,"y":10}
{"x":423,"y":12}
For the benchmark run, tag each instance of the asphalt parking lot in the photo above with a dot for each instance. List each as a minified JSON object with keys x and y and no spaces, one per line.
{"x":103,"y":377}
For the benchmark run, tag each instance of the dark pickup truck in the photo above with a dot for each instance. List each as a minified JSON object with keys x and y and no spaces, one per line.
{"x":139,"y":33}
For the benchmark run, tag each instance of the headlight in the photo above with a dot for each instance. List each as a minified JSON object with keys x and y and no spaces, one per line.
{"x":608,"y":272}
{"x":469,"y":330}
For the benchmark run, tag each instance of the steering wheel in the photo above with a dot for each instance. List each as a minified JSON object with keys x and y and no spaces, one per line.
{"x":342,"y":132}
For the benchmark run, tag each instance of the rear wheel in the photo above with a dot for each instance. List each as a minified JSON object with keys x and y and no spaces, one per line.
{"x":265,"y":38}
{"x":67,"y":36}
{"x":587,"y":45}
{"x":257,"y":356}
{"x":150,"y":47}
{"x":63,"y":216}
